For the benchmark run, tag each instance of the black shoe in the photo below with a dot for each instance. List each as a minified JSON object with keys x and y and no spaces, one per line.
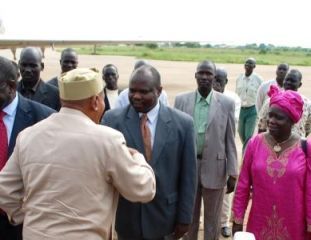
{"x":226,"y":232}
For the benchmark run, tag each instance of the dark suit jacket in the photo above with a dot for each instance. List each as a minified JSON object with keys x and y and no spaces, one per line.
{"x":45,"y":94}
{"x":27,"y":114}
{"x":53,"y":82}
{"x":174,"y":164}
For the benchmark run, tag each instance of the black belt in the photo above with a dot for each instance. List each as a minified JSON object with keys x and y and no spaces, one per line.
{"x":247,"y":107}
{"x":199,"y":156}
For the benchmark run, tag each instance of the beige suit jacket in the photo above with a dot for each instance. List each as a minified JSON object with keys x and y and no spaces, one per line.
{"x":64,"y":176}
{"x":219,"y":158}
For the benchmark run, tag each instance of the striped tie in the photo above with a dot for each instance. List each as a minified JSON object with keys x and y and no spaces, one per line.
{"x":146,"y":134}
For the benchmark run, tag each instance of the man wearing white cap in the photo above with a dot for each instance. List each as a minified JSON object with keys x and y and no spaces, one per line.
{"x":65,"y":173}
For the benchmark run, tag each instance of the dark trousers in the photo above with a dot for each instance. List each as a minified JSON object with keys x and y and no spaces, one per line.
{"x":9,"y":231}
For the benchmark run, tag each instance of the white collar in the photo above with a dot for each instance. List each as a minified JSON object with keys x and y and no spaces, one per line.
{"x":11,"y":108}
{"x":153,"y":113}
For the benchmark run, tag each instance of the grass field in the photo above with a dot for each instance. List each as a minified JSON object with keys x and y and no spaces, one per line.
{"x":299,"y":57}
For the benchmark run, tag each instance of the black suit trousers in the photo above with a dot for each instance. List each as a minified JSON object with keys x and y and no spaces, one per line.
{"x":9,"y":231}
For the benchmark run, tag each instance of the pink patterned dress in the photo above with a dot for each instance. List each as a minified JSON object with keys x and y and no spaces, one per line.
{"x":280,"y":188}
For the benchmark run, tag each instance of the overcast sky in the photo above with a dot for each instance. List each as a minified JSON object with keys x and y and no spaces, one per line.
{"x":285,"y":23}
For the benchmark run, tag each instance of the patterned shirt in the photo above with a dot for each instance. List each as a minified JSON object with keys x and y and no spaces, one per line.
{"x":303,"y":127}
{"x":247,"y":87}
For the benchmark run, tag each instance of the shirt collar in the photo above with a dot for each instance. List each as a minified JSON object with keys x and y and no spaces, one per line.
{"x":207,"y":99}
{"x":11,"y":108}
{"x":33,"y":89}
{"x":153,"y":113}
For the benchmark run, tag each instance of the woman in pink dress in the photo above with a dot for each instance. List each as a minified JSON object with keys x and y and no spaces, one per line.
{"x":276,"y":175}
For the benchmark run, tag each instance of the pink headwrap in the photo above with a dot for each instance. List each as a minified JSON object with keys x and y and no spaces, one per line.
{"x":289,"y":101}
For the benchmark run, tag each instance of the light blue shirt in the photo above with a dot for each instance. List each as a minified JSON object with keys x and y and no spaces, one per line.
{"x":9,"y":117}
{"x":152,"y":120}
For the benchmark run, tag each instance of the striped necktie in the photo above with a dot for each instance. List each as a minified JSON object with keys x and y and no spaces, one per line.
{"x":146,"y":134}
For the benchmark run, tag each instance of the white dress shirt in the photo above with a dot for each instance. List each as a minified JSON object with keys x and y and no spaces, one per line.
{"x":237,"y":103}
{"x":9,"y":117}
{"x":247,"y":87}
{"x":112,"y":96}
{"x":152,"y":120}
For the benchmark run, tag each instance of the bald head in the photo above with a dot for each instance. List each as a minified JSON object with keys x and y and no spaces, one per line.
{"x":205,"y":76}
{"x":149,"y":70}
{"x":8,"y":81}
{"x":30,"y":65}
{"x":249,"y":66}
{"x":31,"y":51}
{"x":221,"y":79}
{"x":251,"y":61}
{"x":68,"y":60}
{"x":207,"y":63}
{"x":292,"y":80}
{"x":140,"y":63}
{"x":144,"y":88}
{"x":281,"y":72}
{"x":8,"y":70}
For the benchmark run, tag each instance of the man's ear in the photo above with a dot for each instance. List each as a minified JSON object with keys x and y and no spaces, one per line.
{"x":94,"y":103}
{"x":42,"y":66}
{"x":159,"y":90}
{"x":12,"y":84}
{"x":300,"y":84}
{"x":195,"y":75}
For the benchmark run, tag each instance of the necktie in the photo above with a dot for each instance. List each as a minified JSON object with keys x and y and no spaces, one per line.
{"x":3,"y":142}
{"x":146,"y":134}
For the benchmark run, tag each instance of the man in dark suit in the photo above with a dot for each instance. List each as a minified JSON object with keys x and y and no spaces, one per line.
{"x":31,"y":85}
{"x":110,"y":76}
{"x":166,"y":137}
{"x":68,"y":61}
{"x":16,"y":113}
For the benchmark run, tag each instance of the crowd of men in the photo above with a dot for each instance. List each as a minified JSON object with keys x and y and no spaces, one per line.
{"x":82,"y":159}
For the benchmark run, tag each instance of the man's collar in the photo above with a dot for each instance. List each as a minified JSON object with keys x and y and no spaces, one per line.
{"x":11,"y":108}
{"x":33,"y":89}
{"x":153,"y":113}
{"x":200,"y":98}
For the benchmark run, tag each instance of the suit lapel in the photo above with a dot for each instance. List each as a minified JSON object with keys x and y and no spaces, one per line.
{"x":107,"y":104}
{"x":190,"y":103}
{"x":41,"y":93}
{"x":23,"y":119}
{"x":213,"y":108}
{"x":162,"y":132}
{"x":132,"y":124}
